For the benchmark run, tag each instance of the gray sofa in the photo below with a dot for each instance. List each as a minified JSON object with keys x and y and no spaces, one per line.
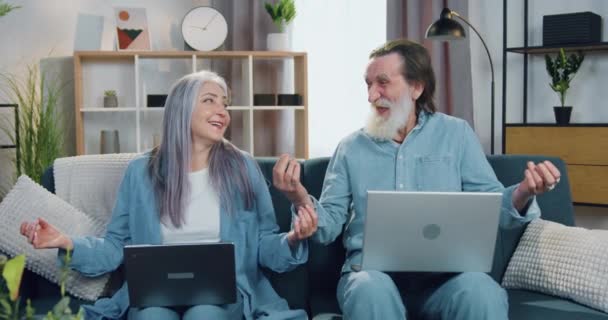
{"x":313,"y":286}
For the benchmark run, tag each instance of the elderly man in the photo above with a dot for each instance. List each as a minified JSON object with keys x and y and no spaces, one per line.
{"x":407,"y":145}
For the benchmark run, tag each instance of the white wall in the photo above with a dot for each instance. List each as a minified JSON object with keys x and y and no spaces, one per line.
{"x":47,"y":33}
{"x":587,"y":91}
{"x":338,"y":36}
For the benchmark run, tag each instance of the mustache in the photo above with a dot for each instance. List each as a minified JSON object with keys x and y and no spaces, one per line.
{"x":383,"y":103}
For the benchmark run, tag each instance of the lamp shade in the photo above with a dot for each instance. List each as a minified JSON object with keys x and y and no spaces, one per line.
{"x":445,"y":28}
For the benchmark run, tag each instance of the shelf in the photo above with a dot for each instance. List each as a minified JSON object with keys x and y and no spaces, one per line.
{"x":120,"y":109}
{"x":278,"y":108}
{"x":8,"y":147}
{"x":600,"y":46}
{"x":162,"y":109}
{"x":187,"y":54}
{"x":243,"y":108}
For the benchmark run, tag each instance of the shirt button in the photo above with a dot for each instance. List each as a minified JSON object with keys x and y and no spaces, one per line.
{"x":401,"y":186}
{"x":400,"y":157}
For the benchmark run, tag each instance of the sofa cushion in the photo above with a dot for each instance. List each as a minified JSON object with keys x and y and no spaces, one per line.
{"x":284,"y":283}
{"x":525,"y":304}
{"x":324,"y":261}
{"x":564,"y":261}
{"x":27,"y":201}
{"x":73,"y":177}
{"x":324,"y":303}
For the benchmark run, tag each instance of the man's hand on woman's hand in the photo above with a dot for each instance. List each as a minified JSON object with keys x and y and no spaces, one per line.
{"x":304,"y":226}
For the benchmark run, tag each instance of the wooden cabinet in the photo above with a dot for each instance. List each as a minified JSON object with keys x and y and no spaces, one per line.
{"x":135,"y":75}
{"x":584,"y":148}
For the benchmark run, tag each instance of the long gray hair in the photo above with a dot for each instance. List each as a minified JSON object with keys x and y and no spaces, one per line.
{"x":169,"y":164}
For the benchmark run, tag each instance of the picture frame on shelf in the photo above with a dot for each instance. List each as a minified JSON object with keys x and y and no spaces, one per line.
{"x":132,"y":31}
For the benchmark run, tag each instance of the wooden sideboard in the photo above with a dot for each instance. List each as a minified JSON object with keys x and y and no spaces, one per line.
{"x":584,"y":148}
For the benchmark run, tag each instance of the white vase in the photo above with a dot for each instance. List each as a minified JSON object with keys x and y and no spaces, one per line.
{"x":277,"y":42}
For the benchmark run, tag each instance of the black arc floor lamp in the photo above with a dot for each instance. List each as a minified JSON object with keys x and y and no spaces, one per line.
{"x":447,"y":28}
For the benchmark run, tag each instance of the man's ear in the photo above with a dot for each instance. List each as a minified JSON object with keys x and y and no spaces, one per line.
{"x":417,"y":89}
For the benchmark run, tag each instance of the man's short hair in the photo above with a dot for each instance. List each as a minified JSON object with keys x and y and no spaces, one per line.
{"x":416,"y":67}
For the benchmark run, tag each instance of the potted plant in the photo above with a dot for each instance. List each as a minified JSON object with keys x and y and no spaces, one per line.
{"x":281,"y":13}
{"x":109,"y":99}
{"x":5,"y":8}
{"x":562,"y":70}
{"x":39,"y":132}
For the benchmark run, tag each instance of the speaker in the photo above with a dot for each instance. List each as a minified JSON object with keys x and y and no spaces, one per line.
{"x":572,"y":28}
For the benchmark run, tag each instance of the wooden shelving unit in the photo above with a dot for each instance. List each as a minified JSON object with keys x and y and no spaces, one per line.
{"x":134,"y":74}
{"x":584,"y":148}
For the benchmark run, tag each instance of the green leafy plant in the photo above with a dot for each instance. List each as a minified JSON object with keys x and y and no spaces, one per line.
{"x":12,"y":273}
{"x":39,"y":137}
{"x":5,"y":8}
{"x":562,"y":70}
{"x":110,"y":93}
{"x":281,"y":13}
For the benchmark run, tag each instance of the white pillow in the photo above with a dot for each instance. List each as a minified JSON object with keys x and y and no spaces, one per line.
{"x":567,"y":262}
{"x":27,"y":201}
{"x":90,"y":182}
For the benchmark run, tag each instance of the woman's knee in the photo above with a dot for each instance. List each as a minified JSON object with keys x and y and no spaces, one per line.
{"x":153,"y":313}
{"x":203,"y":312}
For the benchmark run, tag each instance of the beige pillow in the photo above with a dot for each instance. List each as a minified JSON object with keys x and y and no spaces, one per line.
{"x":563,"y":261}
{"x":27,"y":201}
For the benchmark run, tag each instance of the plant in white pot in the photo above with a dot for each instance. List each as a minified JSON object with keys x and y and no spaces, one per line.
{"x":282,"y":13}
{"x":562,"y":70}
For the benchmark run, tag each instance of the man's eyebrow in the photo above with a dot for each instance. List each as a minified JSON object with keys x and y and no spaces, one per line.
{"x":383,"y":76}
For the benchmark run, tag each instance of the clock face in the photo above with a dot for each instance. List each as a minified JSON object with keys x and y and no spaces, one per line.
{"x":204,"y":28}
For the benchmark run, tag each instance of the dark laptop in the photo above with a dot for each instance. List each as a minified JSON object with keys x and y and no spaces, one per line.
{"x":180,"y":274}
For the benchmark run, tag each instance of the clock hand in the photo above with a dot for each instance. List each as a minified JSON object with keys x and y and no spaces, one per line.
{"x":196,"y":27}
{"x":208,"y":23}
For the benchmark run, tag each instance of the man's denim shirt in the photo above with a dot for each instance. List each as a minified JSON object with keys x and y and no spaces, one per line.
{"x":441,"y":153}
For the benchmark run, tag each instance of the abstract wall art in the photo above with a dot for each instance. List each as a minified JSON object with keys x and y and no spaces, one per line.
{"x":132,"y":31}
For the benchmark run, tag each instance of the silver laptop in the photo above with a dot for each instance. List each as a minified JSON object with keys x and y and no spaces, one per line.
{"x":430,"y":231}
{"x":180,"y":274}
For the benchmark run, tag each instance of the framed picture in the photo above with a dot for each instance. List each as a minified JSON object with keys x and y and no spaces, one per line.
{"x":132,"y":32}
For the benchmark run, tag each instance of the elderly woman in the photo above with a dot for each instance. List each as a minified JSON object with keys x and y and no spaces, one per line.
{"x":194,"y":187}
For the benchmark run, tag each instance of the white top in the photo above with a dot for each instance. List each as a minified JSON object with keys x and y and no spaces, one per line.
{"x":202,"y":219}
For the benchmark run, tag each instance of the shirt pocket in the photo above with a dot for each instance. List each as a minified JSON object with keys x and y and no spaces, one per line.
{"x":437,"y":173}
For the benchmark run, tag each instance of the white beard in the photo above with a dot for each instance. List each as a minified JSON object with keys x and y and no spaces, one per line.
{"x":386,"y":129}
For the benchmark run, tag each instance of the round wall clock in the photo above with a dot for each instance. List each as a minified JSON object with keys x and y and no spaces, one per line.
{"x":204,"y":28}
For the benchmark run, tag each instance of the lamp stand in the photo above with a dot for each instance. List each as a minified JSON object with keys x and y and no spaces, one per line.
{"x":454,"y":13}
